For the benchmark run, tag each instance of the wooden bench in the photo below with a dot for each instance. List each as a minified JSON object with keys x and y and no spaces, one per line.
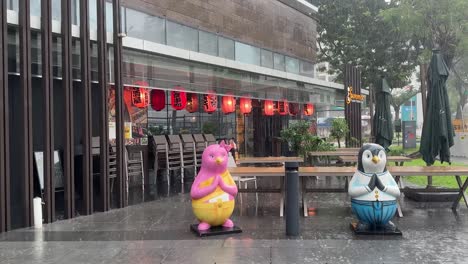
{"x":261,"y":172}
{"x":396,"y":171}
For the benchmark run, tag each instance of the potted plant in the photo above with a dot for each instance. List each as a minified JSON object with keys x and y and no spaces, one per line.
{"x":301,"y":140}
{"x":339,"y":129}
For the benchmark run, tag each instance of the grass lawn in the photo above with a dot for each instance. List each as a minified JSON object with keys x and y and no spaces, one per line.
{"x":449,"y":182}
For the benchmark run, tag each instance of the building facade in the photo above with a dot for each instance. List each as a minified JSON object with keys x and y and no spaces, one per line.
{"x":70,"y":70}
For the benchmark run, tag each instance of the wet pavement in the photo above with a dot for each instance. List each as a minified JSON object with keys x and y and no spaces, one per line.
{"x":158,"y":232}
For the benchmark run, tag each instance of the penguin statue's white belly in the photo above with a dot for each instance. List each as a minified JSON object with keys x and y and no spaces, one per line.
{"x":359,"y":190}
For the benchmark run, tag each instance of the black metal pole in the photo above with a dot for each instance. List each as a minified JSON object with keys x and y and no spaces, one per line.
{"x":4,"y":121}
{"x":48,"y":100}
{"x":292,"y":198}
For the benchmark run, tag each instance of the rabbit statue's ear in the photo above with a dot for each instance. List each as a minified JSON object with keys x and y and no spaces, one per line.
{"x":226,"y":147}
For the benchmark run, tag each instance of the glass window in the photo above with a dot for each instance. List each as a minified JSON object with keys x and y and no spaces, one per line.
{"x":13,"y":5}
{"x":307,"y":69}
{"x":183,"y":37}
{"x":208,"y":43}
{"x":226,"y":48}
{"x":56,"y":10}
{"x":92,"y":13}
{"x":109,"y":18}
{"x":267,"y":58}
{"x":292,"y":65}
{"x":57,"y":56}
{"x":75,"y":12}
{"x":247,"y":53}
{"x":36,"y":58}
{"x":13,"y":50}
{"x":35,"y":8}
{"x":143,"y":26}
{"x":278,"y":60}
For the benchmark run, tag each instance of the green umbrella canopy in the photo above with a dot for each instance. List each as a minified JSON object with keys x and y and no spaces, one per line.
{"x":437,"y":134}
{"x":382,"y":124}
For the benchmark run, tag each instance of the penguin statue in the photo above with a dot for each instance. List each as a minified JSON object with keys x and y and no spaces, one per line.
{"x":373,"y":192}
{"x":213,"y":192}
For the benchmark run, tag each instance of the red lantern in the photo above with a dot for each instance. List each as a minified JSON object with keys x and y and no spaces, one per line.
{"x":140,"y":97}
{"x":192,"y":102}
{"x":210,"y":103}
{"x":268,"y":107}
{"x":308,"y":109}
{"x":228,"y":104}
{"x":283,"y":107}
{"x":293,"y":109}
{"x":178,"y":99}
{"x":158,"y":99}
{"x":245,"y":105}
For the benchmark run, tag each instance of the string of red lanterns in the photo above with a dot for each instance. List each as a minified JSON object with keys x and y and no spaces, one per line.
{"x":308,"y":109}
{"x":192,"y":102}
{"x":283,"y":107}
{"x":268,"y":108}
{"x":245,"y":105}
{"x":228,"y":104}
{"x":178,"y":98}
{"x":158,"y":99}
{"x":210,"y":102}
{"x":140,"y":95}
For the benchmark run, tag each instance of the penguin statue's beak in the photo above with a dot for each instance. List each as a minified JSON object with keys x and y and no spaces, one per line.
{"x":219,"y":161}
{"x":375,"y":159}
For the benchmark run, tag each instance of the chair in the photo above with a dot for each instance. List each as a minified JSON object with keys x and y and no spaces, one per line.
{"x":165,"y":157}
{"x":112,"y":156}
{"x":210,"y":139}
{"x":200,"y":145}
{"x":189,"y":152}
{"x":134,"y":167}
{"x":239,"y":180}
{"x":186,"y":157}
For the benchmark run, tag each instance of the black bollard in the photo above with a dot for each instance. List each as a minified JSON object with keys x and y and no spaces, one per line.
{"x":292,"y":198}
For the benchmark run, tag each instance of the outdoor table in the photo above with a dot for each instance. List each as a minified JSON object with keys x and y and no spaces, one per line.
{"x":333,"y":153}
{"x":399,"y":160}
{"x":258,"y":160}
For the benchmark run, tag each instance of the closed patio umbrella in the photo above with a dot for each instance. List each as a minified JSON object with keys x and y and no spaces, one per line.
{"x":437,"y":134}
{"x":382,"y":123}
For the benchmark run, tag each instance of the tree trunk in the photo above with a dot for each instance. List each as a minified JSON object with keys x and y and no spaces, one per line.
{"x":397,"y":112}
{"x":339,"y":145}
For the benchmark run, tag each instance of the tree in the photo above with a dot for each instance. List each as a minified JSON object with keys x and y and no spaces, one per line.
{"x":401,"y":96}
{"x":458,"y":85}
{"x":429,"y":24}
{"x":353,"y":32}
{"x":339,"y":129}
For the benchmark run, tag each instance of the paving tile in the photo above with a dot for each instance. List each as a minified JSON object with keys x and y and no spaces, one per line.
{"x":219,"y":255}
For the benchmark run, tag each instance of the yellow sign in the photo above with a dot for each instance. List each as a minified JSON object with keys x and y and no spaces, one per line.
{"x":352,"y":97}
{"x":128,"y":130}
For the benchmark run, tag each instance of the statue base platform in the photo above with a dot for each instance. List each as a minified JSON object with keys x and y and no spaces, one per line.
{"x":375,"y":232}
{"x":215,"y":231}
{"x":421,"y":196}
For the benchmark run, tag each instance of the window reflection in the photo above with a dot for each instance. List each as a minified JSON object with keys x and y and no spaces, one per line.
{"x":247,"y":54}
{"x":292,"y":65}
{"x":226,"y":48}
{"x":279,"y":62}
{"x":144,"y":26}
{"x":307,"y":69}
{"x":208,"y":43}
{"x":183,"y":37}
{"x":266,"y":58}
